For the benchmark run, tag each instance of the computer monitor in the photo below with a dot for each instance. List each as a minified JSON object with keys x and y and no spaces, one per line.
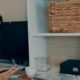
{"x":14,"y":42}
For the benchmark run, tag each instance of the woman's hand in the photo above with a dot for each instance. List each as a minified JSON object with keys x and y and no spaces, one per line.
{"x":7,"y":74}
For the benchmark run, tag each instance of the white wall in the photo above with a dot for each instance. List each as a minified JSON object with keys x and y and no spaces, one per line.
{"x":13,"y":10}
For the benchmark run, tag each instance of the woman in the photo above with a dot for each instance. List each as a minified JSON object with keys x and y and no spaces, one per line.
{"x":7,"y":74}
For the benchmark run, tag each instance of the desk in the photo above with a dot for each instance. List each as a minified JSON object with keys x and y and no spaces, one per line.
{"x":24,"y":77}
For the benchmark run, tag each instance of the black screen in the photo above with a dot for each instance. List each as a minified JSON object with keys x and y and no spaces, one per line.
{"x":14,"y":42}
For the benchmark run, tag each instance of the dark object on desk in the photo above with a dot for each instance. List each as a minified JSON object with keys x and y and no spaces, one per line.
{"x":70,"y":67}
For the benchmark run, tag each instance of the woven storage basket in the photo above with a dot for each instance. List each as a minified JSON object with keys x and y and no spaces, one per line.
{"x":64,"y":16}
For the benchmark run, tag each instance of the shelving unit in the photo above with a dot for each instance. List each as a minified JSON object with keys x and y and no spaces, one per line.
{"x":38,"y":33}
{"x":54,"y":34}
{"x":36,"y":24}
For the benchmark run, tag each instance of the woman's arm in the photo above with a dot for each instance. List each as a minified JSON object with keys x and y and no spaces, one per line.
{"x":7,"y":74}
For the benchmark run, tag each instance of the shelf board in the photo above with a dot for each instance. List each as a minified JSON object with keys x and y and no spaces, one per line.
{"x":54,"y":34}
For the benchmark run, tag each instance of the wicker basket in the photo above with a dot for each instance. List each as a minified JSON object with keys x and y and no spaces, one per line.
{"x":64,"y":16}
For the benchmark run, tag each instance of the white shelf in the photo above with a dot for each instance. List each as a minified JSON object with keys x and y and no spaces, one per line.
{"x":38,"y":35}
{"x":54,"y":34}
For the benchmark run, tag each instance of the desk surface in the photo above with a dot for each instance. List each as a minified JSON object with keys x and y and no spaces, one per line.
{"x":24,"y":77}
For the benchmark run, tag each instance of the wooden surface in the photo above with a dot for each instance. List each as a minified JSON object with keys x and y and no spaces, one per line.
{"x":64,"y":16}
{"x":24,"y":77}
